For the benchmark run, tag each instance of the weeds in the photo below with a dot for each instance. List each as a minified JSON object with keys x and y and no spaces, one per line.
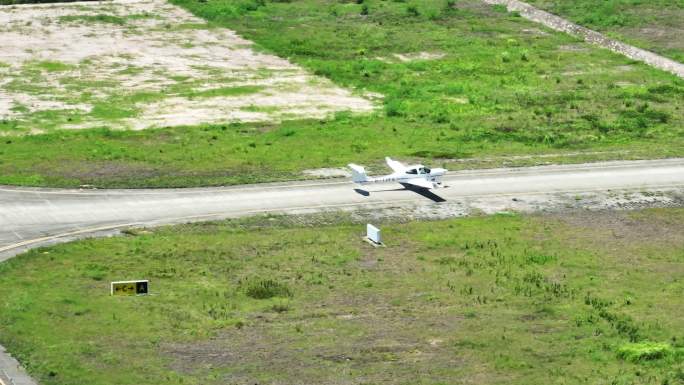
{"x":102,"y":18}
{"x":266,"y":288}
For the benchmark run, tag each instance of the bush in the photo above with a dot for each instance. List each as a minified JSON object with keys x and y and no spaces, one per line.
{"x":430,"y":9}
{"x":394,"y":107}
{"x":267,"y":288}
{"x":500,"y":8}
{"x":644,"y":351}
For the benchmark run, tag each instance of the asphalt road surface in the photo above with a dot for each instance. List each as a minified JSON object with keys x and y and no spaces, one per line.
{"x":31,"y":217}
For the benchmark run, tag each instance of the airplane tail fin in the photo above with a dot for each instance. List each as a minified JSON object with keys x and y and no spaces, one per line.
{"x":358,"y":173}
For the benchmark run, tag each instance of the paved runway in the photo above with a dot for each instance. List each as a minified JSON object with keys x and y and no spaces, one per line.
{"x":31,"y":216}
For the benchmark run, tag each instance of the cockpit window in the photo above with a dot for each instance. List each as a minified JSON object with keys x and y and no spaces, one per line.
{"x":427,"y":170}
{"x":423,"y":170}
{"x":412,"y":171}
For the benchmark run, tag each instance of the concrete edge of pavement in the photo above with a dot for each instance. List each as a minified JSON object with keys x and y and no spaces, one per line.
{"x":11,"y":372}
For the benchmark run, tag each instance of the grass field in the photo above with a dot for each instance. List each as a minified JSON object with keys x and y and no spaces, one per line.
{"x":656,"y":25}
{"x":456,"y":80}
{"x":555,"y":299}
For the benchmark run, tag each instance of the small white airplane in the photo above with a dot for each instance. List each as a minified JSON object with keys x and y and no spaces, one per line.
{"x":415,"y":175}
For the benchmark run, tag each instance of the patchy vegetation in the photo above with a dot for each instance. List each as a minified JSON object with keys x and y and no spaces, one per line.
{"x":266,"y":288}
{"x":143,"y":64}
{"x":453,"y":80}
{"x":656,"y":25}
{"x":499,"y":299}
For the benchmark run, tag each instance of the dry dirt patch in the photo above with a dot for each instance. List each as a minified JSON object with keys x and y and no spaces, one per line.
{"x":328,"y":172}
{"x":373,"y":344}
{"x":141,"y":64}
{"x":623,"y":230}
{"x":407,"y":57}
{"x":659,"y":36}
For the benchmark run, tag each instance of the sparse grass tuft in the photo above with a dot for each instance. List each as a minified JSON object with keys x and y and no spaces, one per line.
{"x":266,"y":288}
{"x":102,"y":18}
{"x":53,"y":66}
{"x":224,"y":91}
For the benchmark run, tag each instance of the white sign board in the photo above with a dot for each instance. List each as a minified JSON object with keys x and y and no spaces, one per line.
{"x":373,"y":233}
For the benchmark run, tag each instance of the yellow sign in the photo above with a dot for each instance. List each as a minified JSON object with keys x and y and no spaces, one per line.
{"x":130,"y":287}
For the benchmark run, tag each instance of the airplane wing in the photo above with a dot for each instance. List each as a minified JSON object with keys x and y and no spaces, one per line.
{"x":420,"y":182}
{"x":396,"y":166}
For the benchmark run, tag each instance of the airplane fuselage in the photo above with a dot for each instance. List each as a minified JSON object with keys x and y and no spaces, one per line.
{"x":433,"y":176}
{"x":416,"y":175}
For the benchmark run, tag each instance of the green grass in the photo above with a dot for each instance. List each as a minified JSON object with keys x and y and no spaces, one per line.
{"x":497,"y":90}
{"x":53,"y":66}
{"x":582,"y":298}
{"x":238,"y":154}
{"x":655,"y":25}
{"x":645,"y":351}
{"x":254,"y":108}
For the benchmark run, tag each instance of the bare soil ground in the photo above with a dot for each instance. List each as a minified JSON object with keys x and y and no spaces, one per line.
{"x":140,"y":64}
{"x":373,"y":334}
{"x":663,"y":37}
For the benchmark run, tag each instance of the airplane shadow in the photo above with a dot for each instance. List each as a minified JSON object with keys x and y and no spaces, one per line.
{"x":424,"y":192}
{"x":418,"y":190}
